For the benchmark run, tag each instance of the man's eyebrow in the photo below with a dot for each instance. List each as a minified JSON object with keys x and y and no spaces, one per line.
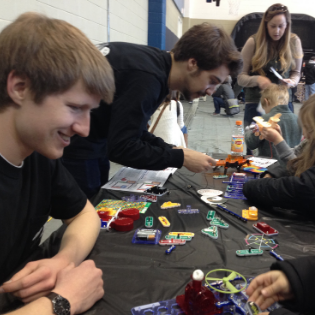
{"x":216,"y":78}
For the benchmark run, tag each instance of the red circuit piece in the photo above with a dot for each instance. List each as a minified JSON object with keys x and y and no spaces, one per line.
{"x":131,"y":213}
{"x":264,"y":228}
{"x":122,"y":224}
{"x":197,"y":300}
{"x":104,"y":215}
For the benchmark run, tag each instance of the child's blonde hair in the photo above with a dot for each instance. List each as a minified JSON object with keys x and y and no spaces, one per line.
{"x":275,"y":94}
{"x":307,"y":158}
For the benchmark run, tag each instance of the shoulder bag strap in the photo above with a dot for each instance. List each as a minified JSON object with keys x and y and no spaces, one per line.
{"x":158,"y":119}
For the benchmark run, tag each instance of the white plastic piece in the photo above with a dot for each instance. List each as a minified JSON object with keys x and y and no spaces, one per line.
{"x":198,"y":275}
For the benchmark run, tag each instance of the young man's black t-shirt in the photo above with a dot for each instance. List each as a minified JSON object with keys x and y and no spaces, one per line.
{"x":28,"y":196}
{"x":141,"y":78}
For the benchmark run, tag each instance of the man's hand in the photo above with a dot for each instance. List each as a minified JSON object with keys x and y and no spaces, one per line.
{"x":197,"y":162}
{"x":35,"y":280}
{"x":269,"y":288}
{"x":272,"y":135}
{"x":263,"y":82}
{"x":81,"y":286}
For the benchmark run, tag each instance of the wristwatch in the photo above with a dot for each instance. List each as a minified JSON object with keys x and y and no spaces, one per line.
{"x":61,"y":306}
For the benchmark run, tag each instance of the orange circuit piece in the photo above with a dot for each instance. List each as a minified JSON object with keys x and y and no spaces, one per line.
{"x":232,"y":161}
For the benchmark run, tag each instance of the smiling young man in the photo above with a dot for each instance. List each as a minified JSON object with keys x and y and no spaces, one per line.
{"x":51,"y":77}
{"x":203,"y":57}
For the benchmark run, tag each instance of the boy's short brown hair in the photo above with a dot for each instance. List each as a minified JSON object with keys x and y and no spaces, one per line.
{"x":53,"y":55}
{"x":211,"y":47}
{"x":275,"y":94}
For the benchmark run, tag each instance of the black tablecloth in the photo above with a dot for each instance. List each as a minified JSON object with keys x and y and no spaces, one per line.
{"x":141,"y":274}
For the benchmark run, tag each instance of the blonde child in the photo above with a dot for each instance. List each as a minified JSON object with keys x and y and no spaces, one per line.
{"x":291,"y":187}
{"x":274,"y":100}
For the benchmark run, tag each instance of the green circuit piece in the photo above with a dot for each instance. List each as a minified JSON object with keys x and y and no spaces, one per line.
{"x":211,"y":231}
{"x":220,"y":176}
{"x":249,"y":252}
{"x":178,"y":237}
{"x":148,"y":222}
{"x":219,"y":223}
{"x":211,"y":215}
{"x":229,"y":188}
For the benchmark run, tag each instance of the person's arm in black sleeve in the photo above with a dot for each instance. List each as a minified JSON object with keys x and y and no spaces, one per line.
{"x":127,"y":143}
{"x":276,"y":170}
{"x":155,"y":141}
{"x":290,"y":192}
{"x":301,"y":274}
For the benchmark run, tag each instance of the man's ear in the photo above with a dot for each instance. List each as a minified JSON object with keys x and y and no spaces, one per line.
{"x":192,"y":65}
{"x":17,"y":87}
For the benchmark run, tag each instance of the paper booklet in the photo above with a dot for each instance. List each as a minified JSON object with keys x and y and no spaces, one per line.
{"x":134,"y":180}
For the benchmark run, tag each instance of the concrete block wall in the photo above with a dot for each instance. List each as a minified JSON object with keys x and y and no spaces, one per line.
{"x":129,"y":21}
{"x":199,"y":11}
{"x":128,"y":18}
{"x":172,"y":17}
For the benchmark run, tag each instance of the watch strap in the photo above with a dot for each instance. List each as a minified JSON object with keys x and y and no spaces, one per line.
{"x":55,"y":300}
{"x":52,"y":295}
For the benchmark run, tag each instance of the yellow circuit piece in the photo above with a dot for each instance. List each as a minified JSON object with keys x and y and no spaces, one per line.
{"x":250,"y":214}
{"x":169,"y":204}
{"x":164,"y":221}
{"x":182,"y":233}
{"x":109,"y":211}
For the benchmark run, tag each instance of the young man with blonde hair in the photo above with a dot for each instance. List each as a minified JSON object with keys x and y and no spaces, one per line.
{"x":51,"y":77}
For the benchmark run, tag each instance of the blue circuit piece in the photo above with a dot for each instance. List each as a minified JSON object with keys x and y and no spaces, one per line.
{"x":236,"y":179}
{"x":229,"y":304}
{"x":232,"y":213}
{"x":134,"y":198}
{"x":103,"y":224}
{"x":168,"y":307}
{"x":185,"y":211}
{"x":169,"y":250}
{"x":273,"y":253}
{"x":235,"y":188}
{"x":146,"y":236}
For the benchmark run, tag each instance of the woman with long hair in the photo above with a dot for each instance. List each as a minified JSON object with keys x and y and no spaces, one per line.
{"x":290,"y":187}
{"x":272,"y":46}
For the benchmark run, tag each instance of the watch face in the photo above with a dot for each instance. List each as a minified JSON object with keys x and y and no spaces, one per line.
{"x":61,"y":305}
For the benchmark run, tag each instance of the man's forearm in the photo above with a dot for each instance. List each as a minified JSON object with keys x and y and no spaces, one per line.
{"x":80,"y":235}
{"x":41,"y":306}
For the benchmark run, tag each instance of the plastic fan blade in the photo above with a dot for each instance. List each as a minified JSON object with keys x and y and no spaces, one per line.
{"x":230,"y":286}
{"x":231,"y":276}
{"x":213,"y":279}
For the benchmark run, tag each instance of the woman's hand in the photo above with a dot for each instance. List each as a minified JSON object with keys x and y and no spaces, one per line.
{"x":263,"y":82}
{"x":288,"y":83}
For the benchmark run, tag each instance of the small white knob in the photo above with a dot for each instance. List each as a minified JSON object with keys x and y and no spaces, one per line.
{"x":198,"y":275}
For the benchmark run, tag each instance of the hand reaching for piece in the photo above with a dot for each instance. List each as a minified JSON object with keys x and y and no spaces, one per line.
{"x":197,"y":162}
{"x":269,"y":288}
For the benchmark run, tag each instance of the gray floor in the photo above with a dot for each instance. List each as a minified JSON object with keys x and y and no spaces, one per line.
{"x":206,"y":133}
